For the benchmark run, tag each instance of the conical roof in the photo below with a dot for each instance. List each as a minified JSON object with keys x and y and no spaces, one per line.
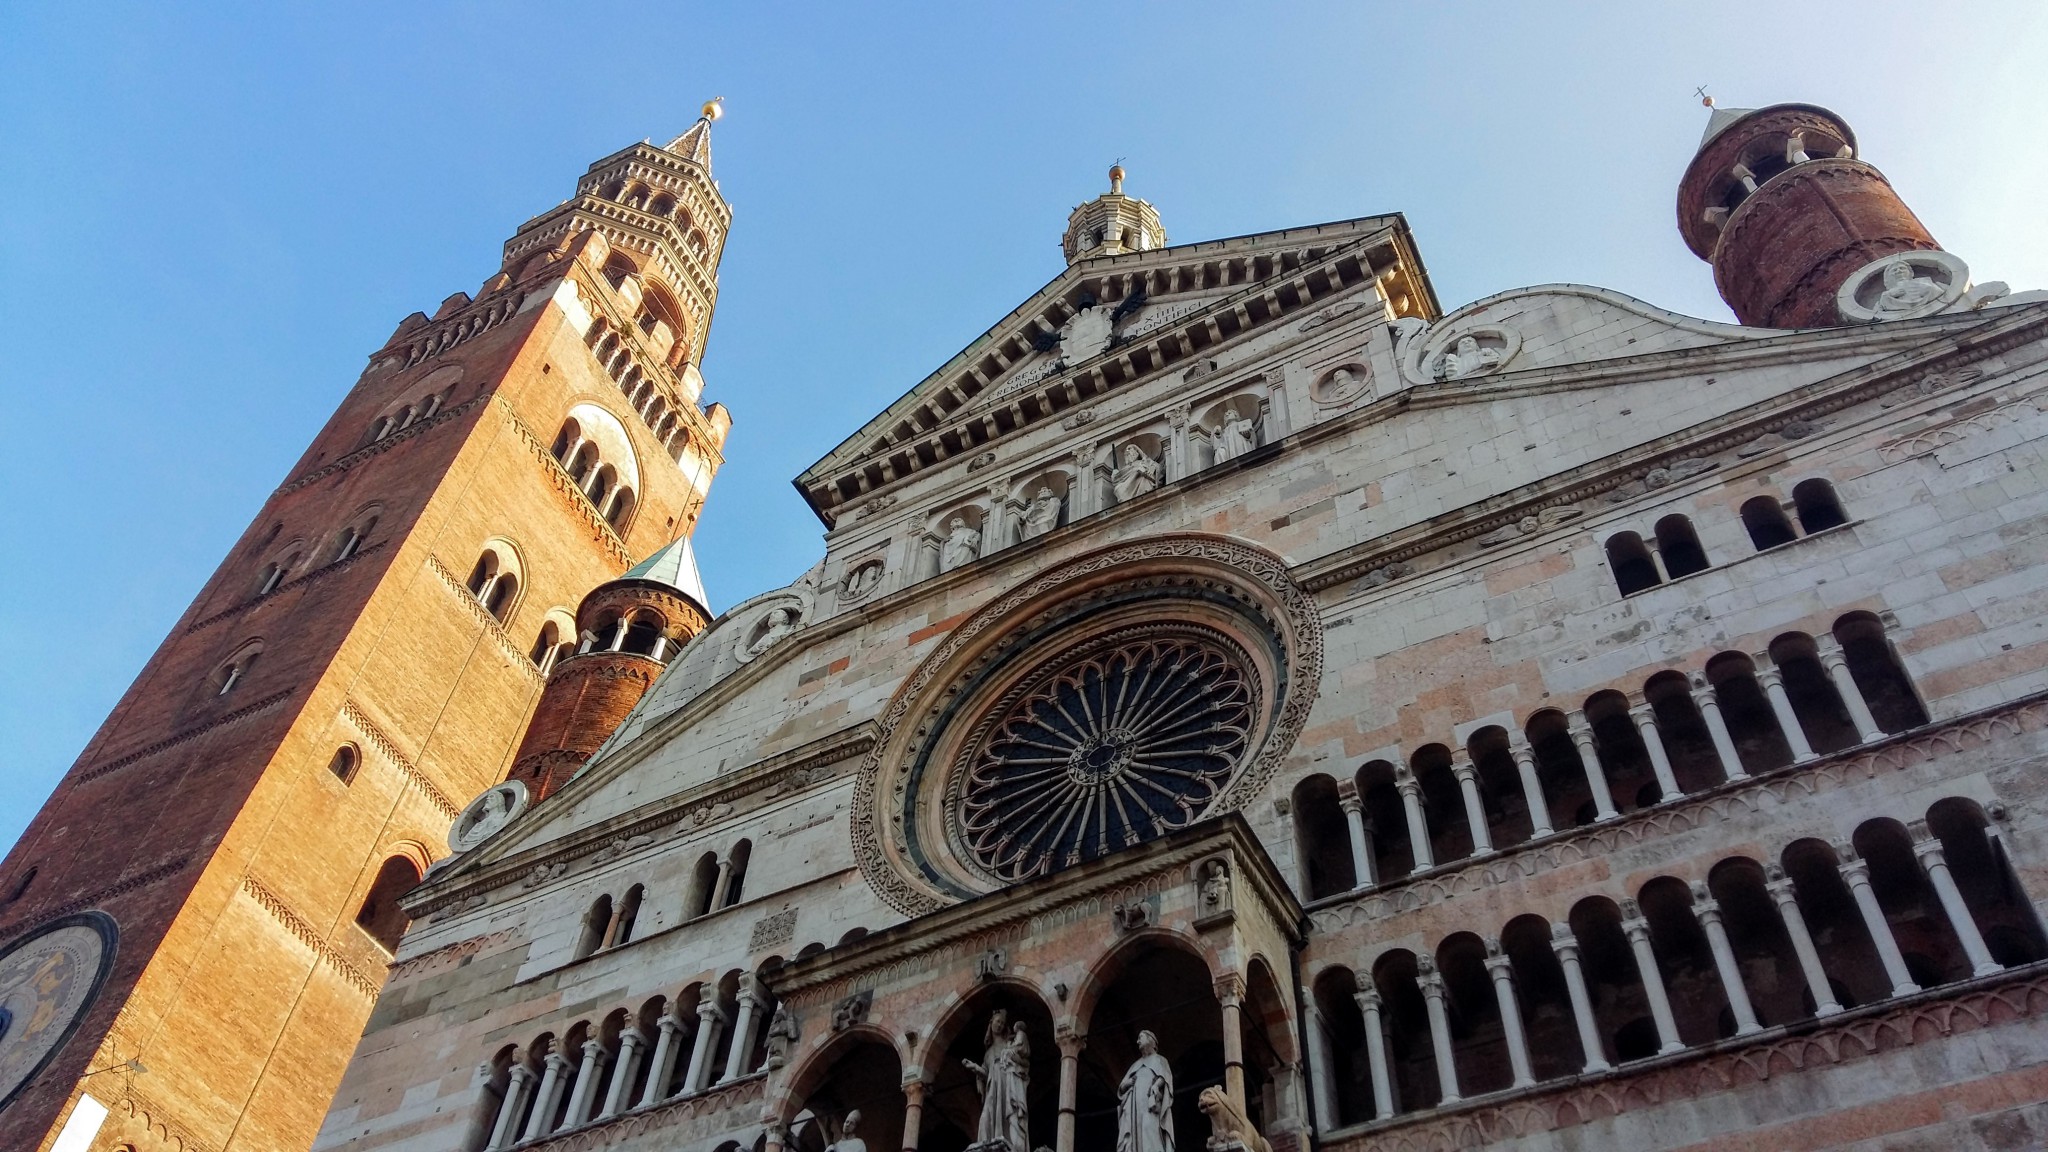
{"x":1719,"y":118}
{"x":675,"y":565}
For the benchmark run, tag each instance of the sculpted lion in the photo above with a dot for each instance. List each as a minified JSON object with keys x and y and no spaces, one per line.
{"x":1228,"y":1123}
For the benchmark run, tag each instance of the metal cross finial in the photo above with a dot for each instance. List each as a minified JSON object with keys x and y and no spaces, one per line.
{"x":1705,"y":100}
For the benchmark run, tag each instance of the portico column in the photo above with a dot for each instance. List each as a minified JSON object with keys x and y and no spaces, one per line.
{"x":1368,"y":999}
{"x":1070,"y":1045}
{"x":913,"y":1110}
{"x":718,"y":885}
{"x":773,"y":1138}
{"x":1780,"y":887}
{"x":1788,"y":720}
{"x":1354,"y":822}
{"x":1589,"y":758}
{"x":1498,"y":967}
{"x":517,"y":1085}
{"x":1532,"y":788}
{"x":1927,"y":849}
{"x":1653,"y":743}
{"x":1432,"y":984}
{"x":1837,"y":664}
{"x":1319,"y":1067}
{"x":742,"y":1030}
{"x":1230,"y":992}
{"x":1638,"y":930}
{"x":1856,"y":871}
{"x":662,"y":1068}
{"x":1475,"y":808}
{"x":585,"y":1093}
{"x":1418,"y":829}
{"x":541,"y":1121}
{"x":1566,"y":946}
{"x":1708,"y":700}
{"x":709,"y":1017}
{"x":619,"y":1098}
{"x":1707,"y":911}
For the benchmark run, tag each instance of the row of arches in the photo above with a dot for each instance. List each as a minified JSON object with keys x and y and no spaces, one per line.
{"x":449,"y":336}
{"x":582,"y":457}
{"x":1752,"y":944}
{"x":494,"y":580}
{"x":658,"y":202}
{"x":349,"y":541}
{"x":1674,"y":549}
{"x":1740,"y":716}
{"x":715,"y":882}
{"x":640,"y":389}
{"x":391,"y":423}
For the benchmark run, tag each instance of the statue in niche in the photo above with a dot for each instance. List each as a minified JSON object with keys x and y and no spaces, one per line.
{"x":1236,"y":437}
{"x":848,"y":1142}
{"x":1138,"y":475}
{"x":1043,"y":514}
{"x":780,"y":624}
{"x":1467,"y":358}
{"x":862,"y":580}
{"x":1003,"y":1078}
{"x":783,"y":1034}
{"x":1215,"y":887}
{"x":1905,"y":290}
{"x":962,"y":545}
{"x":1144,"y":1101}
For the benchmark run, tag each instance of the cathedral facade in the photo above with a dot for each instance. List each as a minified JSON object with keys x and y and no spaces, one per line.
{"x":1242,"y":704}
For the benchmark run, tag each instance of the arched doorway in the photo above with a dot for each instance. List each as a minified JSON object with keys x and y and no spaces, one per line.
{"x":1158,"y":986}
{"x":862,"y":1072}
{"x":952,"y":1099}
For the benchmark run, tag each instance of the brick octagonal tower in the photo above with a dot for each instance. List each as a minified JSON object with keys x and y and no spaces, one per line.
{"x":1778,"y":203}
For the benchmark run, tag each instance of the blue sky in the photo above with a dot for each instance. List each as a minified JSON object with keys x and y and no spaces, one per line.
{"x":209,"y":216}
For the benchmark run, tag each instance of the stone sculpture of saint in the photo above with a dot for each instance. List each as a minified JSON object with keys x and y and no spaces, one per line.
{"x":848,"y":1142}
{"x":1236,"y":437}
{"x":1468,"y":358}
{"x":961,"y":547}
{"x":1904,"y":291}
{"x":779,"y":625}
{"x":1043,"y":515}
{"x":1003,"y":1078}
{"x":1138,"y":475}
{"x":1144,"y":1101}
{"x":783,"y":1034}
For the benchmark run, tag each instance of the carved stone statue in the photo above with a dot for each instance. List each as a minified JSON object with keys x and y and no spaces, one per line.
{"x":1236,"y":437}
{"x":780,"y":624}
{"x":1468,"y":358}
{"x":1904,"y":290}
{"x":1228,"y":1125}
{"x":783,"y":1034}
{"x":1003,"y":1078}
{"x":1215,"y":887}
{"x":1043,"y":514}
{"x":1138,"y":475}
{"x":962,"y":545}
{"x":863,"y":579}
{"x":848,"y":1142}
{"x":1144,"y":1101}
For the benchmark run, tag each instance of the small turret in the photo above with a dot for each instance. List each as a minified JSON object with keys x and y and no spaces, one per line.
{"x":1112,"y":224}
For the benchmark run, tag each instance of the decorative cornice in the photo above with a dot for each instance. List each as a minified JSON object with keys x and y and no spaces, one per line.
{"x":159,"y":1121}
{"x":479,"y":317}
{"x":565,"y":484}
{"x":360,"y":719}
{"x":186,"y":736}
{"x":308,"y":935}
{"x":317,"y":574}
{"x":493,"y":627}
{"x":448,"y":956}
{"x":144,"y":879}
{"x":356,"y":457}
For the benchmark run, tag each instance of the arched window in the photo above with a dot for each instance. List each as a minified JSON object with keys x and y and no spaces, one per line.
{"x":1752,"y":723}
{"x":735,"y":884}
{"x":1680,"y":547}
{"x":642,"y":634}
{"x":1634,"y":570}
{"x":352,"y":540}
{"x":620,"y":508}
{"x":544,"y":646}
{"x":235,"y":671}
{"x":21,"y":886}
{"x":273,"y":575}
{"x":567,"y":441}
{"x":1322,"y":843}
{"x":1822,"y":716}
{"x":596,"y":923}
{"x":629,"y":913}
{"x":1765,"y":519}
{"x":703,"y":882}
{"x":1879,"y":674}
{"x":1817,"y":506}
{"x":344,"y":763}
{"x":494,"y":581}
{"x":380,"y":917}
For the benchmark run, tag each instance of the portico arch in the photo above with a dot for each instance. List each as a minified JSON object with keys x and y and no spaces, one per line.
{"x":1156,"y":981}
{"x":952,"y":1103}
{"x":858,"y":1068}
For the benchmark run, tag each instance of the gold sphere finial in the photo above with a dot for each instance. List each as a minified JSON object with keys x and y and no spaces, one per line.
{"x":714,"y":108}
{"x":1116,"y":179}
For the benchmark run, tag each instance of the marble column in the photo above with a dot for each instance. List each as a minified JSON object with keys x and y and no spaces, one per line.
{"x":1432,"y":983}
{"x":661,"y":1066}
{"x":1927,"y":849}
{"x":1475,"y":808}
{"x":913,"y":1111}
{"x":519,"y":1082}
{"x":720,"y":883}
{"x":742,"y":1030}
{"x":1779,"y":885}
{"x":710,"y":1018}
{"x":1319,"y":1065}
{"x":620,"y":1097}
{"x":1230,"y":993}
{"x":1856,"y":871}
{"x":1645,"y":719}
{"x":1368,"y":999}
{"x":1788,"y":720}
{"x":1361,"y":843}
{"x":1707,"y":911}
{"x":1589,"y":757}
{"x":1070,"y":1045}
{"x":1418,"y":828}
{"x":1532,"y":788}
{"x":542,"y":1120}
{"x":1837,"y":663}
{"x":1708,"y":701}
{"x":1566,"y":946}
{"x":1638,"y":931}
{"x":584,"y":1096}
{"x":1498,"y":967}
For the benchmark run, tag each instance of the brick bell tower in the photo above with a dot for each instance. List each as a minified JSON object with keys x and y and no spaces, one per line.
{"x":1779,"y":203}
{"x":195,"y":927}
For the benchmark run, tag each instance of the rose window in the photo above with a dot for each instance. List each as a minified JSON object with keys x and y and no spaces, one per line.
{"x":1111,"y":745}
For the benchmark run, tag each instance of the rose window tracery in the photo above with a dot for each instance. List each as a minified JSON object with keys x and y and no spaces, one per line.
{"x":1115,"y":743}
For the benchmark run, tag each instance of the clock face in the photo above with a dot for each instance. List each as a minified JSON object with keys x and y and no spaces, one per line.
{"x":48,"y":979}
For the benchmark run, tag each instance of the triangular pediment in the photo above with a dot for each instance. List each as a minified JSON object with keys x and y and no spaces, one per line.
{"x":1111,"y":321}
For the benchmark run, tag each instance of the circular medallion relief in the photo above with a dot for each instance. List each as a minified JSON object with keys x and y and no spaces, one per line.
{"x":498,"y":806}
{"x":1106,"y":747}
{"x":1903,"y":286}
{"x":48,"y":980}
